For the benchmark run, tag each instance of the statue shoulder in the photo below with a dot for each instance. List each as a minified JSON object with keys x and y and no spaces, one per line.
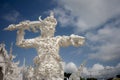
{"x":58,"y":37}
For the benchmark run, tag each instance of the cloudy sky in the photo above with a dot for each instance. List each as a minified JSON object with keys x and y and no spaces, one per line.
{"x":97,"y":20}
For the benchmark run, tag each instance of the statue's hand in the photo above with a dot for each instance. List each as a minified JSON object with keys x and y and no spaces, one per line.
{"x":77,"y":40}
{"x":25,"y":25}
{"x":22,"y":25}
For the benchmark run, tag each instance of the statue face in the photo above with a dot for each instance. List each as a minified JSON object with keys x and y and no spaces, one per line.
{"x":48,"y":28}
{"x":48,"y":31}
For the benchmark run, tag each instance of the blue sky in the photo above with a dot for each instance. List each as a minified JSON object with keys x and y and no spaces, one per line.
{"x":97,"y":20}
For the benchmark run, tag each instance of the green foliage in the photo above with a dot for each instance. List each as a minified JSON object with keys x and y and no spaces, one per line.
{"x":91,"y":79}
{"x":82,"y":78}
{"x":118,"y":76}
{"x":116,"y":79}
{"x":67,"y":75}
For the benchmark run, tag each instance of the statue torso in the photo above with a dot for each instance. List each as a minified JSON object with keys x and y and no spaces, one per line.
{"x":48,"y":57}
{"x":48,"y":46}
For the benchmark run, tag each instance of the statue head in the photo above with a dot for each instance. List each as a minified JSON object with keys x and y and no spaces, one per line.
{"x":48,"y":26}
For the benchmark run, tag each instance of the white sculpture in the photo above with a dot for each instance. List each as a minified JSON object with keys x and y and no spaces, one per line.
{"x":11,"y":71}
{"x":48,"y":63}
{"x":3,"y":60}
{"x":28,"y":74}
{"x":3,"y":56}
{"x":77,"y":75}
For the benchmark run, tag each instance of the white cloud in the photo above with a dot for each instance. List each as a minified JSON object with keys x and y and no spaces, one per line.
{"x":97,"y":70}
{"x":100,"y":71}
{"x":97,"y":67}
{"x":70,"y":67}
{"x":88,"y":16}
{"x":90,"y":13}
{"x":118,"y":65}
{"x":63,"y":17}
{"x":93,"y":71}
{"x":109,"y":48}
{"x":12,"y":16}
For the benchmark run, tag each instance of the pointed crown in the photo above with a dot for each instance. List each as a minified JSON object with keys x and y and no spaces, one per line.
{"x":51,"y":19}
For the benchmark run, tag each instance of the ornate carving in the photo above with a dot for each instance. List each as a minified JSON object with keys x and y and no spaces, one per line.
{"x":10,"y":70}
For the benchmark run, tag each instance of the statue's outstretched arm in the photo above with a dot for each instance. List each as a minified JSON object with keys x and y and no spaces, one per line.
{"x":25,"y":25}
{"x":77,"y":40}
{"x":20,"y":41}
{"x":74,"y":40}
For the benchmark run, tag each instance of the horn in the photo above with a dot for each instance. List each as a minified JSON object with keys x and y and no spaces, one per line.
{"x":40,"y":18}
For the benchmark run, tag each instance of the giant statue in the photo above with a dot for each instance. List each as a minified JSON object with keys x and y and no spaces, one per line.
{"x":48,"y":63}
